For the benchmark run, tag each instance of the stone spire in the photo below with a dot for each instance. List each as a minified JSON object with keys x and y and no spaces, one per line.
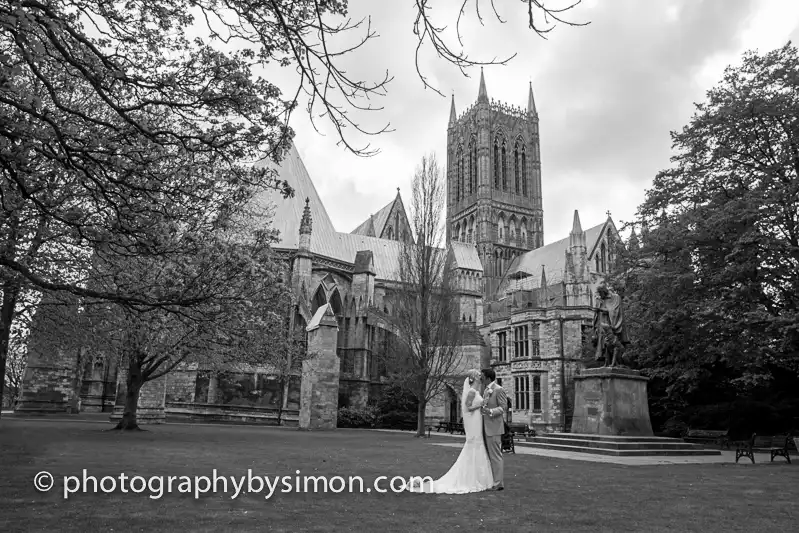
{"x":543,"y":292}
{"x":531,"y":110}
{"x":576,"y":274}
{"x":482,"y":94}
{"x":634,"y":244}
{"x":577,"y":236}
{"x":307,"y":222}
{"x":453,"y":116}
{"x":305,"y":229}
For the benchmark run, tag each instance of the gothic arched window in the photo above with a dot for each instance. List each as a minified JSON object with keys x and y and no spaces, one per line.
{"x":496,"y":164}
{"x":524,"y":172}
{"x":516,"y":167}
{"x":459,"y":192}
{"x":504,"y":168}
{"x":604,"y":258}
{"x":461,"y":176}
{"x":472,"y":166}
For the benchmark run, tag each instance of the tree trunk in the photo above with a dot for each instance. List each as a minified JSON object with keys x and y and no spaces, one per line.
{"x":134,"y":382}
{"x":10,"y":295}
{"x":280,"y":402}
{"x":420,"y":425}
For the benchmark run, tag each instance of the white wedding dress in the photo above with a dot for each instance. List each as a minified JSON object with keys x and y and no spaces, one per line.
{"x":472,"y":470}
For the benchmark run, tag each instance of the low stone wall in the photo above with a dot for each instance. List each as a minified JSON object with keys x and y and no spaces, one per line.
{"x":207,"y":412}
{"x":47,"y":389}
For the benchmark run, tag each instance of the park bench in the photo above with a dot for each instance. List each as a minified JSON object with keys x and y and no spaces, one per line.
{"x":720,"y":438}
{"x":518,"y":430}
{"x":443,"y":425}
{"x":774,"y":444}
{"x":450,"y":427}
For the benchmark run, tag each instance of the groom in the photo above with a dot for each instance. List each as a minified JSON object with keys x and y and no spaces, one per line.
{"x":494,"y":402}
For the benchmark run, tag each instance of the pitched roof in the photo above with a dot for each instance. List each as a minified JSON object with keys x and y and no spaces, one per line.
{"x":465,"y":256}
{"x":367,"y":227}
{"x":375,"y":225}
{"x":325,"y":240}
{"x":288,"y":212}
{"x":551,"y":259}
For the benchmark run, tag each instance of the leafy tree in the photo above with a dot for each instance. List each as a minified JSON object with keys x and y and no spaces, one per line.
{"x":239,"y":297}
{"x":113,"y":114}
{"x":713,"y":288}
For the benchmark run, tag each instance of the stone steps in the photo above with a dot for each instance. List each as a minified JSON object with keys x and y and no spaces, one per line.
{"x":616,"y":445}
{"x":616,"y":452}
{"x":610,"y":438}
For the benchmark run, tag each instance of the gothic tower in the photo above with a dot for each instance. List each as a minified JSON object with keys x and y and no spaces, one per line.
{"x":494,"y":182}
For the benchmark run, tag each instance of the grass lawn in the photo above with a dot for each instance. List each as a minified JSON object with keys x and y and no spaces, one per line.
{"x":542,"y":494}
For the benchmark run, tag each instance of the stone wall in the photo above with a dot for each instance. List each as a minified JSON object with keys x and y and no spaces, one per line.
{"x":320,"y":373}
{"x":51,"y":381}
{"x":98,"y":388}
{"x":150,"y":408}
{"x":558,"y":360}
{"x":181,"y":386}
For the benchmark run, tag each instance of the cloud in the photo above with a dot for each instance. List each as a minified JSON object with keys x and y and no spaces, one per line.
{"x":608,"y":95}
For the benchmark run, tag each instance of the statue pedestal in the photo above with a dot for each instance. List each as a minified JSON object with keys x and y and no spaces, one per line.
{"x":611,"y":401}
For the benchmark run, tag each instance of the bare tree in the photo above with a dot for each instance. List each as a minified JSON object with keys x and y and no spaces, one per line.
{"x":424,"y":311}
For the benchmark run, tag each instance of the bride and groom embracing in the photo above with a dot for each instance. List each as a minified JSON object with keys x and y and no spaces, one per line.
{"x":479,"y":466}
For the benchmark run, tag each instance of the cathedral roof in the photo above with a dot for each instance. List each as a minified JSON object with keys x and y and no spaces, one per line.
{"x":549,"y":259}
{"x":329,"y":243}
{"x":375,"y":224}
{"x":465,"y":256}
{"x":287,"y":213}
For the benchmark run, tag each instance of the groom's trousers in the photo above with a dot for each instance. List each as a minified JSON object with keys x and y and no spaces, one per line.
{"x":494,"y":448}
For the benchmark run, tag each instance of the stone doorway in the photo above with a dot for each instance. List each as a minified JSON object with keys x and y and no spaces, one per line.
{"x":454,"y":407}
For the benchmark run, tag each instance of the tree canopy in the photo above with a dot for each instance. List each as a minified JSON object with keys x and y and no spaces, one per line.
{"x":714,"y":286}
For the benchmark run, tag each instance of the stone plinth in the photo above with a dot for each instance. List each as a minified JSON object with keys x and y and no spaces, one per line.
{"x":320,"y":373}
{"x":611,"y":401}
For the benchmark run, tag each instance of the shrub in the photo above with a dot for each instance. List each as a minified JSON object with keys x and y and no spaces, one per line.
{"x":354,"y":417}
{"x":397,"y":408}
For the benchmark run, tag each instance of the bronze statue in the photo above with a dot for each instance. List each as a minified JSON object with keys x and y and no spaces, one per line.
{"x":610,"y":332}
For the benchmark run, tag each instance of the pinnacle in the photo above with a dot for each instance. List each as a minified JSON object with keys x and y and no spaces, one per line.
{"x":531,"y":110}
{"x":576,"y":227}
{"x":482,"y":93}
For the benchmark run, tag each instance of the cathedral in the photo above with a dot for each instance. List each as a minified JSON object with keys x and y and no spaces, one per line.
{"x":524,"y":305}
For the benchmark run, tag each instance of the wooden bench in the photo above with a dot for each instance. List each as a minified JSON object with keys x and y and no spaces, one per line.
{"x":720,"y":438}
{"x":774,"y":444}
{"x":450,"y":427}
{"x":520,"y":430}
{"x":443,"y":425}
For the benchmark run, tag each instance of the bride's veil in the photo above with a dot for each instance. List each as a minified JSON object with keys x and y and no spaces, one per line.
{"x":466,"y":388}
{"x":472,"y":374}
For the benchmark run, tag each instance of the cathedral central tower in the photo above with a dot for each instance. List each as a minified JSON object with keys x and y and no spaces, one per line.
{"x":494,"y":182}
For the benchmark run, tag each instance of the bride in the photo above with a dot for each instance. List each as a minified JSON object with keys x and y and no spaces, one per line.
{"x":472,"y":470}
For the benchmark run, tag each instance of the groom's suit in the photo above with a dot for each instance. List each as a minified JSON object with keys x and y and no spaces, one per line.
{"x":493,"y":427}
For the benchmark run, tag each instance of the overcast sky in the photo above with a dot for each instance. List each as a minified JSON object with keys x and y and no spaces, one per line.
{"x":608,"y":94}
